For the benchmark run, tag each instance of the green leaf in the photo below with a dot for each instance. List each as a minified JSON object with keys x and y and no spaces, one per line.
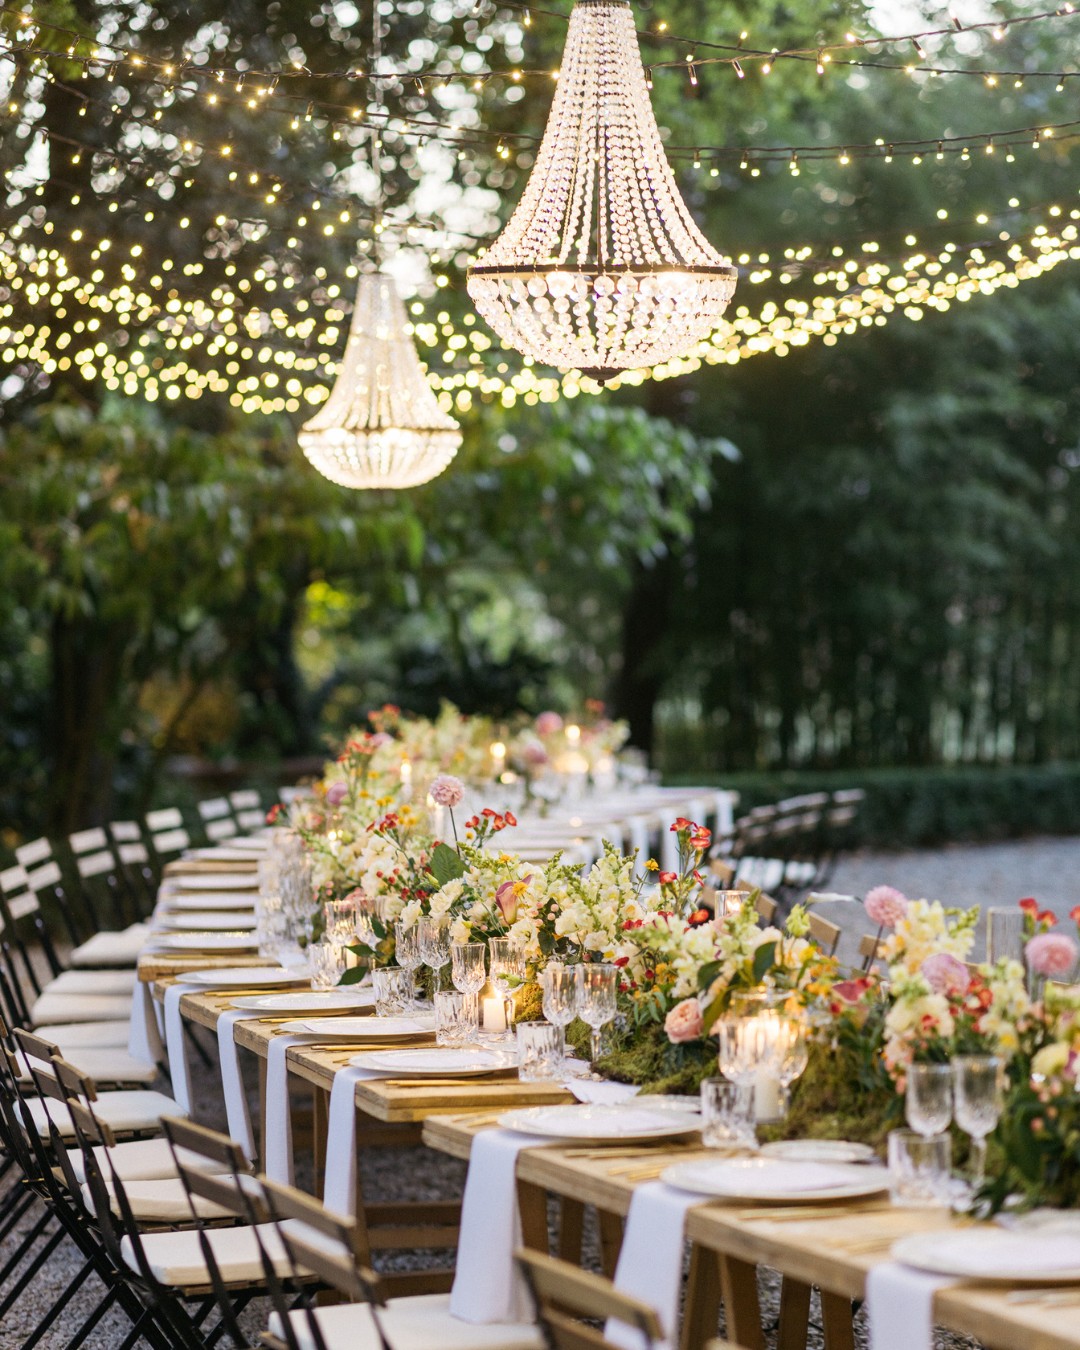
{"x":763,"y":960}
{"x":353,"y":975}
{"x":445,"y":864}
{"x":708,"y":973}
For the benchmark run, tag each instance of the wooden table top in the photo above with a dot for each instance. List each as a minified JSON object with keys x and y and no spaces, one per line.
{"x":832,"y":1246}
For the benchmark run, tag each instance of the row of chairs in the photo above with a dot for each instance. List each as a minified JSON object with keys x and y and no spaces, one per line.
{"x":184,"y":1236}
{"x":790,"y":847}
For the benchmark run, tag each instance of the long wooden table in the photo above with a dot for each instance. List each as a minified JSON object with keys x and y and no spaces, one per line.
{"x":831,"y":1247}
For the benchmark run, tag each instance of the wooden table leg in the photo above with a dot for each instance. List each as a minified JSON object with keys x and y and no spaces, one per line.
{"x":702,"y":1299}
{"x":794,"y":1315}
{"x":738,"y":1283}
{"x":262,"y":1111}
{"x":836,"y":1321}
{"x":611,"y":1236}
{"x":532,"y":1204}
{"x":320,"y":1123}
{"x":571,"y":1230}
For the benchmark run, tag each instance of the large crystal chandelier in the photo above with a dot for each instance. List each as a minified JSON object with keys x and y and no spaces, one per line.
{"x":601,"y":267}
{"x":382,"y":426}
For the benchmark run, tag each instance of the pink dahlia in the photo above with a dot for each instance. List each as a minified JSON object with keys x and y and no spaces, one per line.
{"x":548,"y":723}
{"x":336,"y":793}
{"x":945,"y":974}
{"x":1051,"y":953}
{"x":447,"y":790}
{"x":886,"y":905}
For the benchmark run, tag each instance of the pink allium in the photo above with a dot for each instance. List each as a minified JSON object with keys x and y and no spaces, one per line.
{"x":1051,"y":953}
{"x":683,"y":1022}
{"x":945,"y":974}
{"x":886,"y":905}
{"x":336,"y":793}
{"x":548,"y":723}
{"x":447,"y":790}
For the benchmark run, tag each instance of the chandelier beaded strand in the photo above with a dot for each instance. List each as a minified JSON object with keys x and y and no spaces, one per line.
{"x":382,"y":426}
{"x":601,"y":267}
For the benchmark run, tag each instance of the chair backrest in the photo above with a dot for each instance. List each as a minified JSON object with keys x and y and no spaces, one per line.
{"x":135,"y":860}
{"x":824,"y":933}
{"x":565,"y":1296}
{"x":248,"y":808}
{"x":168,"y":835}
{"x":101,"y":878}
{"x":217,"y":820}
{"x":44,"y":877}
{"x":20,"y":907}
{"x":332,"y":1246}
{"x":869,"y":948}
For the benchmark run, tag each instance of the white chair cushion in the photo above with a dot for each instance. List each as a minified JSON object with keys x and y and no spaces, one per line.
{"x":163,"y":1200}
{"x":50,"y":1008}
{"x":175,"y":1259}
{"x":137,"y":1160}
{"x":112,"y":949}
{"x":111,"y":1065}
{"x":89,"y":1035}
{"x":417,"y":1322}
{"x":92,"y":982}
{"x":136,"y":1109}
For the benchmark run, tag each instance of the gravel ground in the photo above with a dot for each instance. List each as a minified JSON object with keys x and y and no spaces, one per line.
{"x":996,"y":874}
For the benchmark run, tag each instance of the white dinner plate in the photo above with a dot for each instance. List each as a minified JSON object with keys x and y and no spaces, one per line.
{"x":599,"y":1123}
{"x":226,"y":853}
{"x":376,"y":1028}
{"x":245,"y":976}
{"x":435,"y":1063}
{"x":768,"y":1179}
{"x":655,"y":1101}
{"x":819,"y":1150}
{"x":993,"y":1255}
{"x":307,"y":1001}
{"x":206,"y":900}
{"x":206,"y":942}
{"x":218,"y":881}
{"x":209,"y":921}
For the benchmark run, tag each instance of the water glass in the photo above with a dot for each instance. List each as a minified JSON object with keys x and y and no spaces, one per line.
{"x":507,"y":960}
{"x":1005,"y":935}
{"x":326,"y":961}
{"x":727,"y":1115}
{"x":467,"y":968}
{"x":540,"y":1052}
{"x":456,"y":1018}
{"x":597,"y":986}
{"x":393,"y":991}
{"x":407,"y":949}
{"x":270,"y":925}
{"x":919,"y":1169}
{"x":339,"y":920}
{"x":979,"y":1100}
{"x":434,"y":937}
{"x":928,"y":1101}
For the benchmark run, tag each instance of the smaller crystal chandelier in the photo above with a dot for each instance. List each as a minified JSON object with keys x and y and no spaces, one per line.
{"x":601,"y":267}
{"x":382,"y":426}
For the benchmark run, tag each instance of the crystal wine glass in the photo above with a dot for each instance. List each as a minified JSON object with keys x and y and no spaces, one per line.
{"x":560,"y":990}
{"x":597,"y":986}
{"x":796,"y":1056}
{"x":407,"y":949}
{"x":928,"y":1101}
{"x":507,"y":969}
{"x":434,"y":935}
{"x":467,"y":968}
{"x":979,"y":1099}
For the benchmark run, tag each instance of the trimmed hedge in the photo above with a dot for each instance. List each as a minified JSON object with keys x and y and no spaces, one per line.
{"x":906,"y":808}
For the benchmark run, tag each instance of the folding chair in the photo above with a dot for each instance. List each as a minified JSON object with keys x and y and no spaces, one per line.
{"x":107,"y":896}
{"x":334,"y":1248}
{"x":215,"y":815}
{"x":134,"y":857}
{"x":248,"y":809}
{"x":168,"y":837}
{"x":824,"y":933}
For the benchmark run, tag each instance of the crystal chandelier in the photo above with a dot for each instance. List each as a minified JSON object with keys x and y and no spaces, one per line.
{"x":601,"y":267}
{"x":382,"y":426}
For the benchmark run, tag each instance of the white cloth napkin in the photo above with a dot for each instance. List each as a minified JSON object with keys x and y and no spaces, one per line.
{"x":487,"y":1287}
{"x":277,"y":1143}
{"x":179,"y":1069}
{"x":600,"y":1094}
{"x":900,"y":1306}
{"x":339,"y":1185}
{"x":144,"y":1035}
{"x":236,"y":1107}
{"x":651,"y":1259}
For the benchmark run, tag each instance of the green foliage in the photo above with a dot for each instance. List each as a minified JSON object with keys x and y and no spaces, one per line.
{"x":446,"y":864}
